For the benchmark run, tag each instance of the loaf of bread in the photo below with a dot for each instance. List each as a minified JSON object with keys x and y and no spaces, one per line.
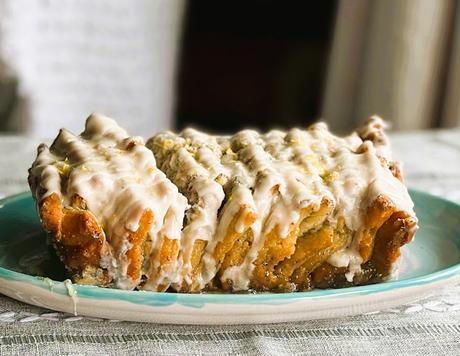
{"x":192,"y":212}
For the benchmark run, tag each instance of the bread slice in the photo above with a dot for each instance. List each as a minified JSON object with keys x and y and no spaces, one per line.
{"x":107,"y":206}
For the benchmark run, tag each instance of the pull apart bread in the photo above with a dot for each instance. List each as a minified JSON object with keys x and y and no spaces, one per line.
{"x":190,"y":212}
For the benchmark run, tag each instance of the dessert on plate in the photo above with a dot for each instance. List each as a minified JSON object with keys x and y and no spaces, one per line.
{"x":192,"y":212}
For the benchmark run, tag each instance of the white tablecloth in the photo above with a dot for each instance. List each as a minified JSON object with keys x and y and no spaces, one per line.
{"x":427,"y":327}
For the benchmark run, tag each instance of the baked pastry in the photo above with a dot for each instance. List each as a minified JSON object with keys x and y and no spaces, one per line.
{"x":110,"y":211}
{"x":190,"y":212}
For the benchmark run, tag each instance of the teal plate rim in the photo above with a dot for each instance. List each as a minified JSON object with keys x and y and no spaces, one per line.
{"x":198,"y":300}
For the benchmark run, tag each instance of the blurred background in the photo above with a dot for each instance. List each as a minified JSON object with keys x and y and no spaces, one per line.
{"x":222,"y":66}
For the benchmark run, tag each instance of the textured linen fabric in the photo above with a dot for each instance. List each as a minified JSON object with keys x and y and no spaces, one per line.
{"x":426,"y":327}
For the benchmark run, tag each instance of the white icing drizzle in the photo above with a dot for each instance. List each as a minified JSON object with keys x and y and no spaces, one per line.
{"x":193,"y":168}
{"x":72,"y":293}
{"x":117,"y":177}
{"x":283,"y":172}
{"x":274,"y":176}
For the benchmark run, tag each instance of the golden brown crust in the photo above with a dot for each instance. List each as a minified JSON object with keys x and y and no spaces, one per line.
{"x":77,"y":237}
{"x":223,"y":247}
{"x":235,"y":257}
{"x":314,"y":249}
{"x":397,"y":231}
{"x":296,"y":262}
{"x":197,"y":254}
{"x":384,"y":233}
{"x":377,"y":214}
{"x":394,"y":233}
{"x":220,"y":252}
{"x":280,"y":257}
{"x":81,"y":243}
{"x":167,"y":257}
{"x":136,"y":240}
{"x":276,"y":249}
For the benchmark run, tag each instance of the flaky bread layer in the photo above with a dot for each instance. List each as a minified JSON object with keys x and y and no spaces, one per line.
{"x":394,"y":233}
{"x":78,"y":239}
{"x":278,"y":249}
{"x":297,"y":262}
{"x":81,"y":243}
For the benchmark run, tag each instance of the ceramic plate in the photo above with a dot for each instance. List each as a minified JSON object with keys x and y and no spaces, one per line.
{"x":431,"y":261}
